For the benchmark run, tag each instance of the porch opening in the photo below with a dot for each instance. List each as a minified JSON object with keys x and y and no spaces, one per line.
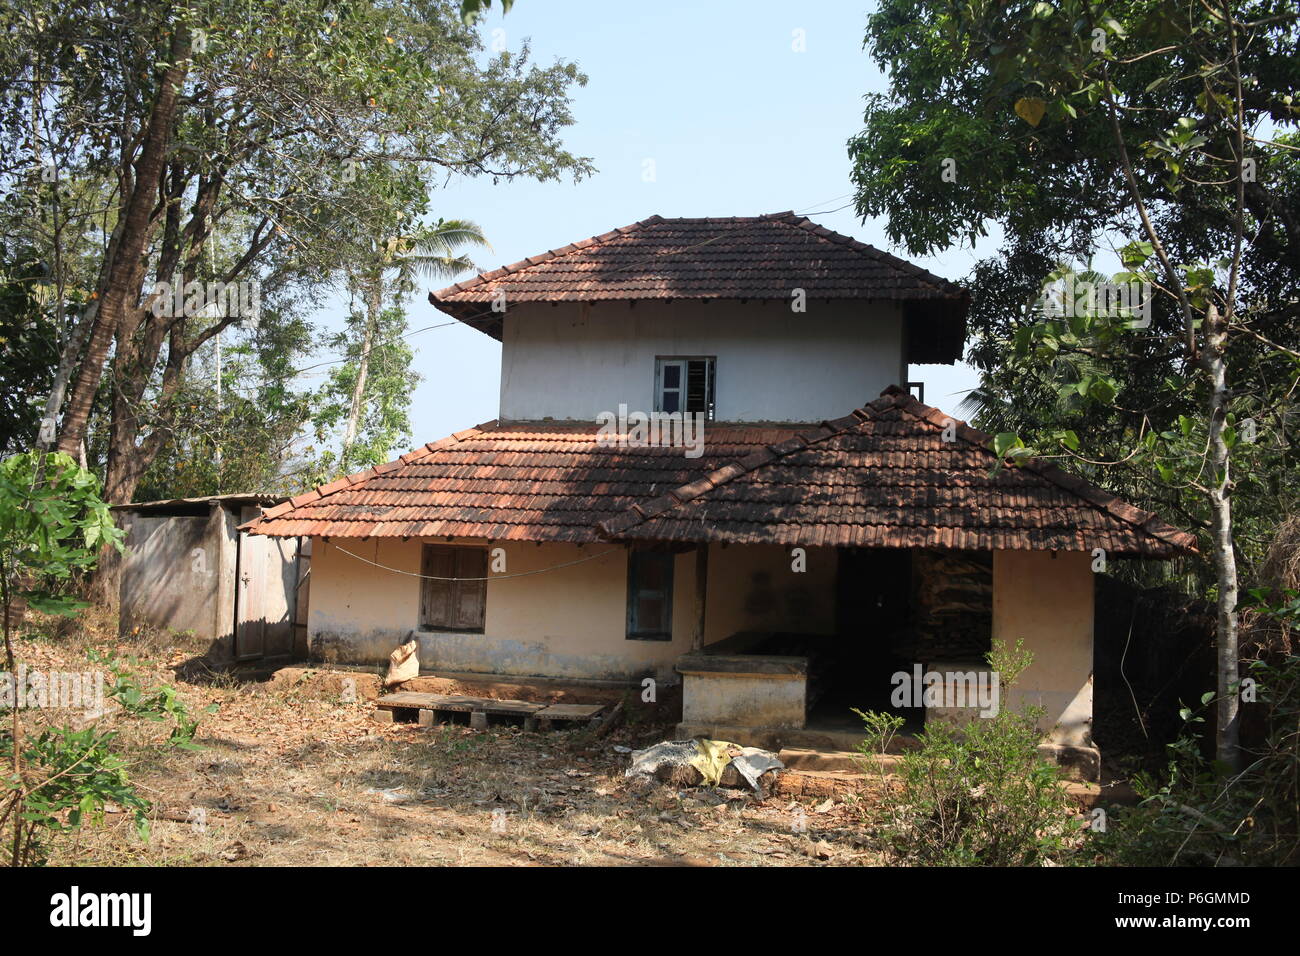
{"x":874,"y":617}
{"x":897,"y":609}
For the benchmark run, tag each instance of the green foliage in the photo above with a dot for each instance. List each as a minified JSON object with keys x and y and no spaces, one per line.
{"x":161,"y":703}
{"x":1043,"y":109}
{"x":471,"y":10}
{"x":975,"y":796}
{"x":52,"y":525}
{"x":1198,"y":813}
{"x":69,"y":776}
{"x":369,"y":392}
{"x":80,"y":774}
{"x":28,"y":334}
{"x":384,"y":423}
{"x":249,"y":438}
{"x":255,"y":188}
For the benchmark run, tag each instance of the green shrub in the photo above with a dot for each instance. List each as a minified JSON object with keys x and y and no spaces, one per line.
{"x":1198,"y":813}
{"x":976,"y":796}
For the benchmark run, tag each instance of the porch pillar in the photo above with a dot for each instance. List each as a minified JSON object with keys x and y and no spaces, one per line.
{"x":701,"y":591}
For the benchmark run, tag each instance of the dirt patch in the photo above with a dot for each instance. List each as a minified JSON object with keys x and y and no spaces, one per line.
{"x":294,"y":771}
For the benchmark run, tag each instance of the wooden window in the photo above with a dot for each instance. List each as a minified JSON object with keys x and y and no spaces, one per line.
{"x":685,"y":385}
{"x":453,"y":605}
{"x":650,"y":596}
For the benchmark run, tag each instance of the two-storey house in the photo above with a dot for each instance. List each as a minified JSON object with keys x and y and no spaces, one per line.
{"x":706,"y":469}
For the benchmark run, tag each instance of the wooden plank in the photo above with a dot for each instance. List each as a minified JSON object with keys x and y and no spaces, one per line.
{"x":460,"y":703}
{"x":515,"y":708}
{"x":406,"y":700}
{"x":570,"y":711}
{"x":411,"y":700}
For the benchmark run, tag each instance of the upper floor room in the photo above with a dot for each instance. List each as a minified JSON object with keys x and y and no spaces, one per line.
{"x":742,"y":319}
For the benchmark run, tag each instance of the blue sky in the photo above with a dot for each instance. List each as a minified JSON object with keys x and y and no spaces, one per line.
{"x":735,"y":121}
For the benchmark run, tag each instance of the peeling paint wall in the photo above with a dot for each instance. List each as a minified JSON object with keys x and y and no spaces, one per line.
{"x":752,"y":701}
{"x":773,"y":364}
{"x":570,"y":622}
{"x":1047,"y":599}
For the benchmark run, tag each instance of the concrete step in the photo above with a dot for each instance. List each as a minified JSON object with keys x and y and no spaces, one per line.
{"x":840,"y":761}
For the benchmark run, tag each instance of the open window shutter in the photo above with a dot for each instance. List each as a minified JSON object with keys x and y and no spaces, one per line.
{"x":436,"y":604}
{"x":471,"y":596}
{"x":650,"y":595}
{"x":699,"y":387}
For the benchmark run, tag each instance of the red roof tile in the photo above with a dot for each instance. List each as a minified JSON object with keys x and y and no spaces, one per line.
{"x":527,"y":481}
{"x":881,"y":477}
{"x":739,"y":257}
{"x":887,"y":478}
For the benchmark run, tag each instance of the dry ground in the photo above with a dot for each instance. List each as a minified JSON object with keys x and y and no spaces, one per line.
{"x":288,"y":776}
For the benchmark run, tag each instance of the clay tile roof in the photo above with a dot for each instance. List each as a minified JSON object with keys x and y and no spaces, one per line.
{"x":736,"y":257}
{"x":881,"y":477}
{"x":532,"y":481}
{"x":888,"y":478}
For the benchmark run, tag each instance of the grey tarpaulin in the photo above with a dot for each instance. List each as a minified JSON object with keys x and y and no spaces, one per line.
{"x":751,"y":763}
{"x":710,"y":759}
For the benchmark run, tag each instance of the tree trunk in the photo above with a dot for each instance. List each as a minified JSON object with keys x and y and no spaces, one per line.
{"x":139,"y":345}
{"x":120,"y":291}
{"x":123,"y":471}
{"x":374,"y":299}
{"x":63,"y":375}
{"x":1227,"y":748}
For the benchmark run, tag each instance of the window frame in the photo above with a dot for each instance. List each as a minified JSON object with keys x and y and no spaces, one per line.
{"x":683,"y":362}
{"x":635,"y":558}
{"x":465,"y":561}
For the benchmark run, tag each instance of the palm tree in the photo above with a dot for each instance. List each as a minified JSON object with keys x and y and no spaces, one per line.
{"x":396,"y":262}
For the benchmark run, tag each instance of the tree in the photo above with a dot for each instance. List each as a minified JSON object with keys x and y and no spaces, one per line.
{"x":1080,"y":123}
{"x":382,"y":412}
{"x":388,"y":267}
{"x":231,"y":145}
{"x":238,"y":421}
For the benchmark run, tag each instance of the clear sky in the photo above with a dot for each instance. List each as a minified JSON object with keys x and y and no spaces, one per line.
{"x":735,"y":121}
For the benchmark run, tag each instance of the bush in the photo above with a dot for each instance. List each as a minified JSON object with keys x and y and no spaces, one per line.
{"x":52,"y":526}
{"x":976,"y":796}
{"x":1199,"y":814}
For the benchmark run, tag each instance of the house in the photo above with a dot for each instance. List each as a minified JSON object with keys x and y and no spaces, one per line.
{"x":827,"y":539}
{"x":188,"y":568}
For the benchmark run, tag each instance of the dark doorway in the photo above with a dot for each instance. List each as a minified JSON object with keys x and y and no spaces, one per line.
{"x":873,"y":616}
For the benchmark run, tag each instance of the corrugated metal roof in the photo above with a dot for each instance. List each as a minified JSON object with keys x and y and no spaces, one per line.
{"x":240,"y":498}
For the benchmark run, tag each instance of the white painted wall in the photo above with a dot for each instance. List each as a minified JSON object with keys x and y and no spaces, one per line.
{"x":569,"y":622}
{"x":572,"y":361}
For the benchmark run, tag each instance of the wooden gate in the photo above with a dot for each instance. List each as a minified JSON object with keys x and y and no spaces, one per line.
{"x":265,"y":595}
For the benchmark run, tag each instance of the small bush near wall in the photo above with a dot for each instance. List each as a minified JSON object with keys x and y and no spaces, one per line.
{"x":978,"y":796}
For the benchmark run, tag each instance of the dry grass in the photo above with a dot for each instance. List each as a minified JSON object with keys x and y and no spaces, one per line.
{"x":1281,"y":566}
{"x":287,"y":777}
{"x":1263,"y":636}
